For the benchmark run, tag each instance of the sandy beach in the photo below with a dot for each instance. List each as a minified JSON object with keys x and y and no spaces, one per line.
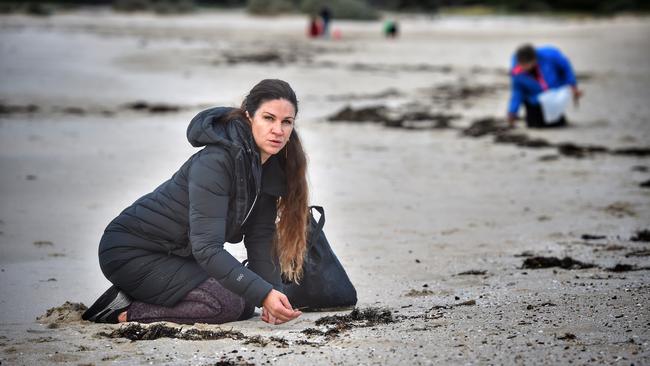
{"x":441,"y":232}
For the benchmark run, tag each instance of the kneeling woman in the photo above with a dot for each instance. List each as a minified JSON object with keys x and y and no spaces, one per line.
{"x":165,"y":253}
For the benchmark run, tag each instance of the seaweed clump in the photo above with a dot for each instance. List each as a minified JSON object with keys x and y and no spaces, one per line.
{"x":140,"y":332}
{"x":548,"y":262}
{"x":357,"y":318}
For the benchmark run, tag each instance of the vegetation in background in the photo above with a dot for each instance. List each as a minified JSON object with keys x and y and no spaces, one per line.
{"x":341,"y":9}
{"x":158,"y":6}
{"x":270,"y":7}
{"x":31,"y":8}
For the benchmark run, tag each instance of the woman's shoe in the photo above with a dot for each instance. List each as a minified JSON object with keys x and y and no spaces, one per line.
{"x":108,"y":307}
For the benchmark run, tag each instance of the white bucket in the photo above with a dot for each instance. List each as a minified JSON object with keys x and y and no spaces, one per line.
{"x":554,"y":102}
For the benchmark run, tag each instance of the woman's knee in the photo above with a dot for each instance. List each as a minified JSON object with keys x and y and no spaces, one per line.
{"x":233,"y":306}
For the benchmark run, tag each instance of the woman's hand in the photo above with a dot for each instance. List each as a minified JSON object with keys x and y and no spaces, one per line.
{"x":276,"y":308}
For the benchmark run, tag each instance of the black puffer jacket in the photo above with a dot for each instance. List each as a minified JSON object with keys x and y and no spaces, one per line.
{"x":209,"y":201}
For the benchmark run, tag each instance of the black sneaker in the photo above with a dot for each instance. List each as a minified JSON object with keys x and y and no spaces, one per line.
{"x":108,"y":307}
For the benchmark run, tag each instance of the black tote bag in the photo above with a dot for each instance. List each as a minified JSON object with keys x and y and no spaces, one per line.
{"x":325,"y":285}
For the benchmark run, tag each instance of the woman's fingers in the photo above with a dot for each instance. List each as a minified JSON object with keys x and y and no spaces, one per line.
{"x":284,"y":311}
{"x":264,"y":316}
{"x":285,"y":302}
{"x":283,"y":315}
{"x":279,"y":315}
{"x":277,"y":309}
{"x":270,"y":318}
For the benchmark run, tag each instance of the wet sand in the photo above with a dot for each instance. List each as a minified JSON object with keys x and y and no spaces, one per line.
{"x":464,"y":249}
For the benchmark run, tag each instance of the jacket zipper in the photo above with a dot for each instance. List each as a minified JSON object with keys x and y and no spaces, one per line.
{"x":257,"y":193}
{"x":251,"y":210}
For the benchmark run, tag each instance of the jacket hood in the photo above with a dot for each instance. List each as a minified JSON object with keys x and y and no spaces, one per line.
{"x":210,"y":127}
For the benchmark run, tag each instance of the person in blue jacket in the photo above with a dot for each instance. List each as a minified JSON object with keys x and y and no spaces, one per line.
{"x":535,"y":70}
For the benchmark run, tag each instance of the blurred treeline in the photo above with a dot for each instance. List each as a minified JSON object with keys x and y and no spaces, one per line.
{"x":341,"y":9}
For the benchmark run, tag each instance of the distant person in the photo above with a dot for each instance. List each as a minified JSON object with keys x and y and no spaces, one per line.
{"x":543,"y":81}
{"x":391,"y":29}
{"x":326,"y":17}
{"x":165,"y":253}
{"x":315,"y":27}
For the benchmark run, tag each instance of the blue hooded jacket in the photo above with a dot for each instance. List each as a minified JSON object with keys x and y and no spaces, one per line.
{"x":555,"y":70}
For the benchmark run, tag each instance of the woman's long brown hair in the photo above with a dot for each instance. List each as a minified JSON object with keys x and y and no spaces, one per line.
{"x":290,"y":242}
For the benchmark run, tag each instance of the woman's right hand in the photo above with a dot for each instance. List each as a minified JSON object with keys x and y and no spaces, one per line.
{"x":276,"y":308}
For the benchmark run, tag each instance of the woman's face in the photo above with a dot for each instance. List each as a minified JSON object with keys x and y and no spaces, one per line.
{"x":272,"y":124}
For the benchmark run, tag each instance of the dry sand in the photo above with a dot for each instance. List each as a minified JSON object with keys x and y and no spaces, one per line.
{"x":408,"y":210}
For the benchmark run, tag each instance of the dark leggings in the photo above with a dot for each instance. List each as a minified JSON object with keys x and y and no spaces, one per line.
{"x":535,"y":117}
{"x":208,"y":303}
{"x":164,"y":286}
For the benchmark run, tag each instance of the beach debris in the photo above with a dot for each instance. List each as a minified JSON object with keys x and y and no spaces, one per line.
{"x":238,"y":361}
{"x":640,"y":168}
{"x":141,"y":106}
{"x":8,"y":109}
{"x":463,"y":303}
{"x":437,"y":311}
{"x":592,"y":237}
{"x":633,"y":151}
{"x":549,"y":157}
{"x":146,"y":332}
{"x":42,"y":243}
{"x":377,"y":67}
{"x":418,"y":293}
{"x":384,"y":94}
{"x":645,"y":184}
{"x":503,"y":135}
{"x":638,"y":253}
{"x":621,"y":267}
{"x":525,"y":253}
{"x":258,"y":58}
{"x":418,"y":119}
{"x":263,"y":342}
{"x":612,"y":247}
{"x":74,"y":110}
{"x":278,"y":56}
{"x":548,"y":262}
{"x":422,"y":120}
{"x":358,"y":318}
{"x":472,"y":272}
{"x":641,"y":235}
{"x":520,"y":139}
{"x":620,"y":209}
{"x":447,"y":94}
{"x":574,"y":150}
{"x":567,"y":337}
{"x":66,"y":313}
{"x":376,"y":113}
{"x":537,"y":306}
{"x":486,"y":126}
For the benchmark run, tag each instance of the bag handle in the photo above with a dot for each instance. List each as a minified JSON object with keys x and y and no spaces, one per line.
{"x":321,"y":220}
